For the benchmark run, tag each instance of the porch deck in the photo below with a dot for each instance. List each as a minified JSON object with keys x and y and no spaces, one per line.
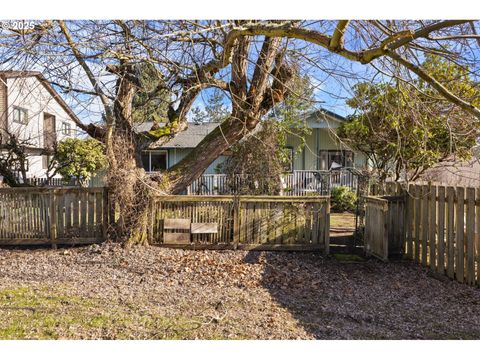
{"x":296,"y":183}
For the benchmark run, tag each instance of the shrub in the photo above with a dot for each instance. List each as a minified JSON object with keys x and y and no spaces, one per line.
{"x":343,"y":199}
{"x":79,"y":158}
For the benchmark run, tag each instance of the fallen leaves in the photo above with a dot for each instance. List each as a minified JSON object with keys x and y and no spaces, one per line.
{"x":257,"y":295}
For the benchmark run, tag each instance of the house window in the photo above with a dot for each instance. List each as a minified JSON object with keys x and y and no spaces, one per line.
{"x":155,"y":160}
{"x":335,"y":160}
{"x":146,"y":160}
{"x":17,"y":165}
{"x":348,"y":159}
{"x":66,"y":128}
{"x":20,"y":115}
{"x":46,"y":160}
{"x":331,"y":159}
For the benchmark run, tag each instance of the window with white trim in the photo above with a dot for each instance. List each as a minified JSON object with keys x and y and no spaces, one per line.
{"x":331,"y":159}
{"x":66,"y":128}
{"x":46,"y":160}
{"x":155,"y":160}
{"x":20,"y":115}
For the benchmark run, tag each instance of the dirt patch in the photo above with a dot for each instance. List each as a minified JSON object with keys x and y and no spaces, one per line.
{"x":153,"y":293}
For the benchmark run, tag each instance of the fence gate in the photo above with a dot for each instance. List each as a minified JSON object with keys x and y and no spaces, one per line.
{"x":384,"y":226}
{"x":376,"y":239}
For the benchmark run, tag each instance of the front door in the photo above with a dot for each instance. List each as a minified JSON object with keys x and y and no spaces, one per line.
{"x":49,"y":131}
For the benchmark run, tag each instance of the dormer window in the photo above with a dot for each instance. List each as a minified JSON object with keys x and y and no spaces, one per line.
{"x":66,"y":128}
{"x":20,"y":115}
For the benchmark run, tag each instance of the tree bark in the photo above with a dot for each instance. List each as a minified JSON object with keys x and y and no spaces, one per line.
{"x":214,"y":145}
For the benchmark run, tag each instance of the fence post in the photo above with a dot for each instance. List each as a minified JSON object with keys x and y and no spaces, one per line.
{"x":105,"y":220}
{"x":327,"y":227}
{"x":151,"y":206}
{"x":53,"y":219}
{"x":236,"y":223}
{"x":111,"y":210}
{"x":408,"y":220}
{"x":385,"y":213}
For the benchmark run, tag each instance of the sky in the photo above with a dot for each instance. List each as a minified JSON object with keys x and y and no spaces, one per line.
{"x":331,"y":75}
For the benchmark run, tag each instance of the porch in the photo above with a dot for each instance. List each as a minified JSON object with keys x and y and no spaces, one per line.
{"x":296,"y":183}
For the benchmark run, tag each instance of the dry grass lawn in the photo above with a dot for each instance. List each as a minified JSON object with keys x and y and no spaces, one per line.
{"x":151,"y":293}
{"x":342,"y":221}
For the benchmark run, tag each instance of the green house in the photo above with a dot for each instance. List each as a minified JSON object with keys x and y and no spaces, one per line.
{"x":323,"y":150}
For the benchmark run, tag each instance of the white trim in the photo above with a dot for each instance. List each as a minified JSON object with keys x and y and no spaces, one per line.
{"x":150,"y":152}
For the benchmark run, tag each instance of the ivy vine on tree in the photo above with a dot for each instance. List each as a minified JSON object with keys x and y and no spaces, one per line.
{"x":259,"y":172}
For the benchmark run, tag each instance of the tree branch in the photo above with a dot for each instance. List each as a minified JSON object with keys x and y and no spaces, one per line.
{"x":80,"y":58}
{"x":262,"y":70}
{"x":239,"y":73}
{"x":392,"y":42}
{"x":435,"y":84}
{"x":91,"y":129}
{"x":338,"y":38}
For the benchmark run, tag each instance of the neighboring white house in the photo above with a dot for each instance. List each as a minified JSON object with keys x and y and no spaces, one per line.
{"x":32,"y":110}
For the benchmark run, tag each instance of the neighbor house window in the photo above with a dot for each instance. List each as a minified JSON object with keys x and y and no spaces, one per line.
{"x":155,"y":160}
{"x":328,"y":159}
{"x":20,"y":115}
{"x":66,"y":128}
{"x":17,"y":165}
{"x":46,"y":160}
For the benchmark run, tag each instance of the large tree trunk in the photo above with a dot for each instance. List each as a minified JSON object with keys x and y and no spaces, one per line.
{"x":197,"y":161}
{"x":128,"y":184}
{"x":133,"y":190}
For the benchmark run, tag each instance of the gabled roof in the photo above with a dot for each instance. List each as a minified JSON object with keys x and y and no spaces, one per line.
{"x":192,"y":136}
{"x":195,"y":133}
{"x":189,"y":138}
{"x":8,"y":74}
{"x":324,"y":118}
{"x":330,"y":114}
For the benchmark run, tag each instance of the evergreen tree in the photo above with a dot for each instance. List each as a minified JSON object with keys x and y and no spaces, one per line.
{"x":215,"y":109}
{"x":150,"y":103}
{"x":404,"y":129}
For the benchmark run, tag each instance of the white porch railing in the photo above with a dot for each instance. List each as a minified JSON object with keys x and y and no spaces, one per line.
{"x":297,"y":183}
{"x":60,"y":182}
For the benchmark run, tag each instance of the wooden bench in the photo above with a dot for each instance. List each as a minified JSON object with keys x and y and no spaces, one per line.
{"x":177,"y":230}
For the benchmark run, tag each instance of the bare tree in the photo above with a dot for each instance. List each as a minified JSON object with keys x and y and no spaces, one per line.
{"x":249,"y":60}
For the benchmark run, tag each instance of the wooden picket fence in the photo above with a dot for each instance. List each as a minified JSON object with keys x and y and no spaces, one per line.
{"x":443,"y":230}
{"x":439,"y":226}
{"x":32,"y":216}
{"x":247,"y":222}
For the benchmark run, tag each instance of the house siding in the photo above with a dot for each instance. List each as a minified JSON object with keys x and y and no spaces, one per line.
{"x":318,"y":139}
{"x":176,"y":155}
{"x":307,"y":159}
{"x":29,"y":93}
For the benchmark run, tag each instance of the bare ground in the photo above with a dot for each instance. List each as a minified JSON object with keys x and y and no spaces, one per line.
{"x":153,"y":293}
